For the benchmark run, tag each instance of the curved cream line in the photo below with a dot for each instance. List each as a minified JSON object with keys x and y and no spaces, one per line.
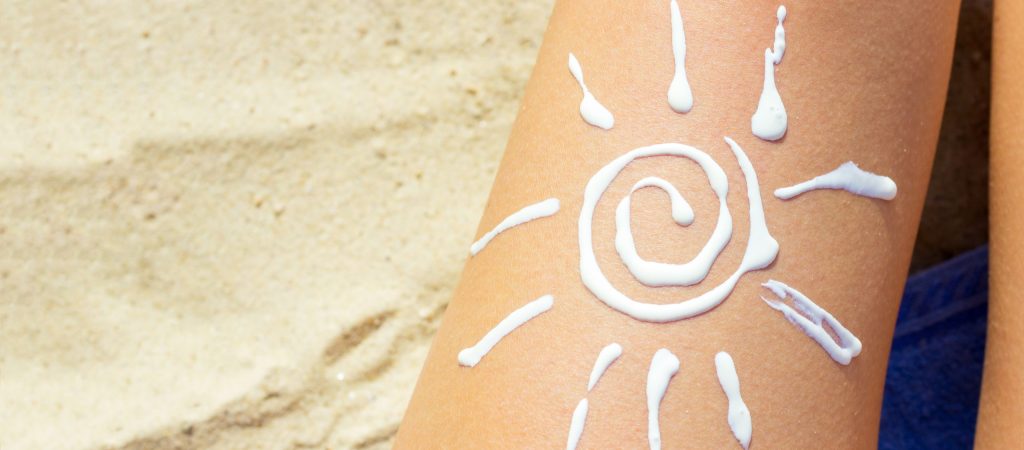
{"x":682,"y":212}
{"x":532,"y":212}
{"x":608,"y":355}
{"x":471,"y":356}
{"x":760,"y":251}
{"x":665,"y":274}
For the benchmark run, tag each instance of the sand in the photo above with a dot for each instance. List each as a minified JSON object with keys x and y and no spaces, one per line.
{"x":237,"y":225}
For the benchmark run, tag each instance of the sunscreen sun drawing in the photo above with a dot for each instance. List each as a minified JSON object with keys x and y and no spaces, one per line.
{"x":769,"y":122}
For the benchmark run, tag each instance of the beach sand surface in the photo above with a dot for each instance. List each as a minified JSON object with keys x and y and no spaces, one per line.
{"x":237,"y":224}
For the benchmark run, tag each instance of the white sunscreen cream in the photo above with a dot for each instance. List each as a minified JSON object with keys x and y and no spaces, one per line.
{"x":760,"y":251}
{"x":593,"y":112}
{"x":847,"y":177}
{"x":664,"y":366}
{"x":811,"y":318}
{"x":739,"y":415}
{"x":535,"y":211}
{"x":680,"y":97}
{"x":471,"y":356}
{"x":664,"y":274}
{"x":608,"y":355}
{"x":770,"y":121}
{"x":579,"y":419}
{"x":779,"y":47}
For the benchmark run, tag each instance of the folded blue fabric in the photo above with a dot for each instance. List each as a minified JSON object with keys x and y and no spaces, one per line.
{"x":934,"y":378}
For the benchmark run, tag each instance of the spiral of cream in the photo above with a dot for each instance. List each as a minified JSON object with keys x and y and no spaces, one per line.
{"x":760,"y":251}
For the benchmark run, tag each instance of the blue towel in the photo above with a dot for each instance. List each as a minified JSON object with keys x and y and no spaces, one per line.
{"x":934,"y":378}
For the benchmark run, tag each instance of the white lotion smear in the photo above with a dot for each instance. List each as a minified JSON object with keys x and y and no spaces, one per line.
{"x":664,"y":365}
{"x":535,"y":211}
{"x":579,"y":418}
{"x":760,"y":251}
{"x":663,"y":274}
{"x":810,"y":319}
{"x":471,"y":356}
{"x":608,"y":355}
{"x":739,"y":414}
{"x":849,"y":178}
{"x":682,"y":212}
{"x":680,"y":97}
{"x":593,"y":112}
{"x":762,"y":248}
{"x":770,"y":121}
{"x":779,"y":47}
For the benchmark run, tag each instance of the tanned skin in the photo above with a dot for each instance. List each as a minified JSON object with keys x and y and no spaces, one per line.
{"x":862,"y":81}
{"x":1002,"y":397}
